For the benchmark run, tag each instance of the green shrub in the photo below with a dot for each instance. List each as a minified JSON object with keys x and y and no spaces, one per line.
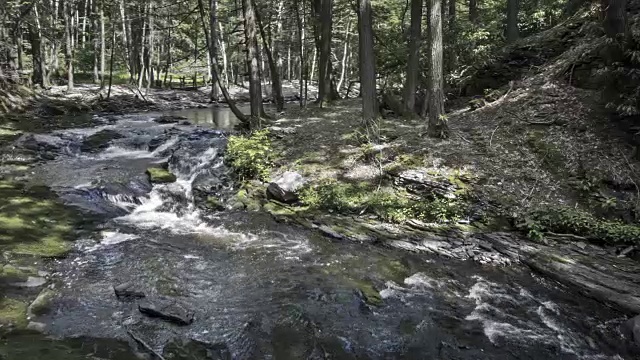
{"x":388,"y":205}
{"x":567,"y":220}
{"x":250,"y":157}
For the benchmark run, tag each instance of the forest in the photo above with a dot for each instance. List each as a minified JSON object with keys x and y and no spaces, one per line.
{"x":319,"y":179}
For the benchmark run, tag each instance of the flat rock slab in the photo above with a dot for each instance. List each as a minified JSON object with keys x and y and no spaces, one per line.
{"x":595,"y":273}
{"x":128,"y":290}
{"x":171,"y":312}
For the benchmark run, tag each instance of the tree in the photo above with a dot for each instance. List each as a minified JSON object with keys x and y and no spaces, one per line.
{"x":276,"y":85}
{"x":615,"y":17}
{"x":367,"y":63}
{"x":415,"y":36}
{"x":323,"y":30}
{"x":253,"y":60}
{"x":437,"y":122}
{"x":68,"y":34}
{"x":512,"y":32}
{"x":473,"y":11}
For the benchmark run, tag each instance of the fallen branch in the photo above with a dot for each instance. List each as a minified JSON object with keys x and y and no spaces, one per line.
{"x":146,"y":346}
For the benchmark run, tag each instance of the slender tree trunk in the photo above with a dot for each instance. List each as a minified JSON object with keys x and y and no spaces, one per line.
{"x":84,"y":22}
{"x":415,"y":37}
{"x":38,"y":75}
{"x":437,"y":121}
{"x":141,"y":70}
{"x":324,"y":24}
{"x":223,"y":49}
{"x":276,"y":85}
{"x":213,"y":51}
{"x":68,"y":34}
{"x":253,"y":60}
{"x":150,"y":42}
{"x":452,"y":58}
{"x":113,"y":45}
{"x":102,"y":44}
{"x":615,"y":17}
{"x":232,"y":105}
{"x":301,"y":40}
{"x":512,"y":21}
{"x":367,"y":63}
{"x":289,"y":62}
{"x":473,"y":11}
{"x":345,"y":55}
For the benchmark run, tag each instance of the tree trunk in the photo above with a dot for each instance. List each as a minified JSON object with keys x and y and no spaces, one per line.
{"x":437,"y":121}
{"x":415,"y":35}
{"x":102,"y":45}
{"x":345,"y":55}
{"x":324,"y":22}
{"x":367,"y":63}
{"x":213,"y":50}
{"x":276,"y":85}
{"x":214,"y":61}
{"x":68,"y":34}
{"x":301,"y":40}
{"x":452,"y":58}
{"x":253,"y":61}
{"x":615,"y":17}
{"x":512,"y":21}
{"x":223,"y":49}
{"x":150,"y":42}
{"x":473,"y":11}
{"x":38,"y":75}
{"x":84,"y":22}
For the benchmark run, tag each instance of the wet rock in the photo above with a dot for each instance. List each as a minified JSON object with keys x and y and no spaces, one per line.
{"x":422,"y":183}
{"x":42,"y":303}
{"x":631,"y":330}
{"x":627,"y":251}
{"x":128,"y":290}
{"x":11,"y":274}
{"x":284,"y":188}
{"x":169,"y":119}
{"x":99,"y":141}
{"x":31,"y":282}
{"x":183,"y":349}
{"x":159,"y":175}
{"x":36,"y":327}
{"x":215,"y":204}
{"x":171,"y":312}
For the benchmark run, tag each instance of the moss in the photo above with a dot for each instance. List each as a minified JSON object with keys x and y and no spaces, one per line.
{"x":251,"y":157}
{"x":10,"y":273}
{"x":50,"y":247}
{"x":13,"y":313}
{"x":215,"y":203}
{"x":160,"y":175}
{"x":394,"y":270}
{"x":42,"y":303}
{"x":370,"y":295}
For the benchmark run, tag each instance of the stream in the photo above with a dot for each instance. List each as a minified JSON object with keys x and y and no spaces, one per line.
{"x":260,"y":289}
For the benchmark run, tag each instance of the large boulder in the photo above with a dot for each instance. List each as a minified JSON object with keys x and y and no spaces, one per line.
{"x":285,"y":187}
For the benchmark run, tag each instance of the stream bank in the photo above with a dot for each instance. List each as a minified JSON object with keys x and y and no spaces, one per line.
{"x":253,"y":287}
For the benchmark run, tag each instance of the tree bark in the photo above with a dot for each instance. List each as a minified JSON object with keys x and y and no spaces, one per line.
{"x":68,"y":34}
{"x":512,"y":21}
{"x":213,"y":51}
{"x":276,"y":84}
{"x":345,"y":55}
{"x":223,"y":49}
{"x":301,"y":39}
{"x":437,"y":121}
{"x":367,"y":63}
{"x":615,"y":17}
{"x":214,"y":61}
{"x":415,"y":37}
{"x":473,"y":11}
{"x":324,"y":23}
{"x":253,"y":61}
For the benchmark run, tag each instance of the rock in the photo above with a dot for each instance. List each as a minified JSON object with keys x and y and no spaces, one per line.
{"x":631,"y":330}
{"x":171,"y":312}
{"x":215,"y":204}
{"x":284,"y":189}
{"x":183,"y":349}
{"x":36,"y":326}
{"x":627,"y":251}
{"x":11,"y":274}
{"x":128,"y":290}
{"x":422,"y":183}
{"x":32,"y":281}
{"x":169,"y":119}
{"x":41,"y":304}
{"x":160,"y":175}
{"x":40,"y":143}
{"x":99,"y":141}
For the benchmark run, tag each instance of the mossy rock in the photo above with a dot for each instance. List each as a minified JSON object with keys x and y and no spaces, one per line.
{"x":99,"y":141}
{"x":10,"y":274}
{"x":160,"y":175}
{"x":42,"y":303}
{"x":13,"y":313}
{"x":214,"y":203}
{"x":370,"y":295}
{"x":34,"y":222}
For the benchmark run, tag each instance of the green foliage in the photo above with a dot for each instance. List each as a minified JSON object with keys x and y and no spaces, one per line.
{"x":250,"y":156}
{"x":388,"y":205}
{"x":567,"y":220}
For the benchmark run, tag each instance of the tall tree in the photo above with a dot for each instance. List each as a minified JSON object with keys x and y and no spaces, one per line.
{"x":413,"y":63}
{"x":68,"y":10}
{"x":367,"y":63}
{"x":512,"y":32}
{"x":437,"y":121}
{"x":615,"y":17}
{"x":323,"y":10}
{"x":276,"y":84}
{"x":253,"y":60}
{"x":213,"y":48}
{"x":473,"y":11}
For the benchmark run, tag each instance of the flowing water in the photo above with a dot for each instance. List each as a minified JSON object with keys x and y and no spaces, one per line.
{"x":266,"y":290}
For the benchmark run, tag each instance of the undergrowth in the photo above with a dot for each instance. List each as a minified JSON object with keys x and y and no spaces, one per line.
{"x":251,"y":157}
{"x":565,"y":220}
{"x":387,"y":204}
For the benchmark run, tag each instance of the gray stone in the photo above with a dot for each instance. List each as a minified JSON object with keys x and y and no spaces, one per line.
{"x":36,"y":326}
{"x":128,"y":290}
{"x":171,"y":312}
{"x":31,"y":282}
{"x":41,"y":304}
{"x":285,"y":187}
{"x":631,"y":330}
